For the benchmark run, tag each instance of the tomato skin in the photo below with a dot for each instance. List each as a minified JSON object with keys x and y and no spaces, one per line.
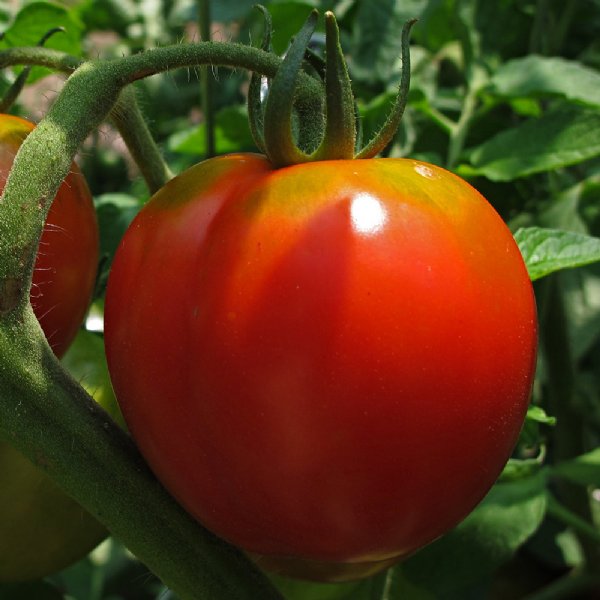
{"x":65,"y":268}
{"x":41,"y":529}
{"x":325,"y":363}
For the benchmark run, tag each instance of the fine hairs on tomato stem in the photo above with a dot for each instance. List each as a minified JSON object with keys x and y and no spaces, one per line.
{"x":271,"y":124}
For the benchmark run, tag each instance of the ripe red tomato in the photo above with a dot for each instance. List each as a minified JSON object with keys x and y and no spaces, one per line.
{"x":327,"y":364}
{"x":67,"y":259}
{"x":41,"y":529}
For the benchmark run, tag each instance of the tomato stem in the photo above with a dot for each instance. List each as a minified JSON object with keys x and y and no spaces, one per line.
{"x":279,"y":140}
{"x":340,"y":131}
{"x":15,"y":89}
{"x":129,"y":120}
{"x":340,"y":138}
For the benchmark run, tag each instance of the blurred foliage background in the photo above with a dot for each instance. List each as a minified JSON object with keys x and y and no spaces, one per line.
{"x":504,"y":92}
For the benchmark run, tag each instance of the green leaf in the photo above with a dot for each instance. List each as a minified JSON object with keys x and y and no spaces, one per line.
{"x":225,"y":11}
{"x":293,"y":589}
{"x":540,"y":75}
{"x":34,"y":21}
{"x":288,"y":18}
{"x":538,"y":414}
{"x":486,"y":539}
{"x":585,"y":469}
{"x":115,"y":212}
{"x":581,"y":296}
{"x":516,"y":469}
{"x":547,"y":250}
{"x":437,"y":25}
{"x":564,"y":136}
{"x":232,"y":134}
{"x":376,"y":37}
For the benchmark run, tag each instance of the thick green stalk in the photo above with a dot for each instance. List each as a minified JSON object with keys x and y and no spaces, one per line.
{"x":128,"y":119}
{"x":43,"y":412}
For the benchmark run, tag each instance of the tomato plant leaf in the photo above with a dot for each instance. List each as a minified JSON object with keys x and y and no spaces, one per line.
{"x":376,"y":37}
{"x":225,"y":11}
{"x":288,"y":18}
{"x":34,"y":20}
{"x":549,"y":250}
{"x":541,"y":75}
{"x":519,"y":468}
{"x":383,"y":586}
{"x":581,"y":294}
{"x":566,"y":135}
{"x":115,"y":212}
{"x":505,"y":519}
{"x":232,"y":134}
{"x":585,"y":469}
{"x":296,"y":589}
{"x":538,"y":414}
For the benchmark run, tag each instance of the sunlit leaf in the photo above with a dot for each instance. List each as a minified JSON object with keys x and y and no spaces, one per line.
{"x":543,"y":75}
{"x":565,"y":136}
{"x":549,"y":250}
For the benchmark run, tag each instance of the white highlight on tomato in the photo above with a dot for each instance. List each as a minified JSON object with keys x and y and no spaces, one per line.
{"x":424,"y":171}
{"x":367,"y":214}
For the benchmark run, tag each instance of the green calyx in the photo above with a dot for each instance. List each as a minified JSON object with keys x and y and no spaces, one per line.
{"x":331,"y":132}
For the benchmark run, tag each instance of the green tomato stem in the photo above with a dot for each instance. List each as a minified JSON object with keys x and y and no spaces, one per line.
{"x":279,"y":140}
{"x":128,"y":119}
{"x":17,"y":87}
{"x":340,"y":129}
{"x":126,"y":115}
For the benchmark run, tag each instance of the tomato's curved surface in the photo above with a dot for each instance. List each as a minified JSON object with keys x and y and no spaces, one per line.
{"x":65,"y":268}
{"x":327,"y":364}
{"x":41,"y":529}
